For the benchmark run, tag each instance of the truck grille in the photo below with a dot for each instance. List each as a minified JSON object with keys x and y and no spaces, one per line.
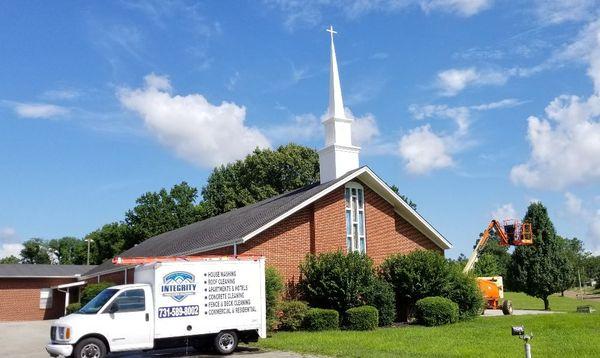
{"x":53,"y":333}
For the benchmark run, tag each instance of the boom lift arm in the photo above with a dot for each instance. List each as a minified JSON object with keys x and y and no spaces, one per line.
{"x":512,"y":233}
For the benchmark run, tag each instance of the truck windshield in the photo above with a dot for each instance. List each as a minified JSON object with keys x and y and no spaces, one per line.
{"x":98,"y":302}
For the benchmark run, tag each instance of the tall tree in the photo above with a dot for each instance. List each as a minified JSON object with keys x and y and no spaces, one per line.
{"x":12,"y":259}
{"x":35,"y":251}
{"x":406,"y":199}
{"x":540,"y":269}
{"x":261,"y":175}
{"x":109,"y":241}
{"x":68,"y":250}
{"x":494,"y":259}
{"x":163,"y":211}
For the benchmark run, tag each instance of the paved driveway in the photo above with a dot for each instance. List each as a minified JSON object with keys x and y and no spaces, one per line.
{"x":492,"y":313}
{"x":27,"y":340}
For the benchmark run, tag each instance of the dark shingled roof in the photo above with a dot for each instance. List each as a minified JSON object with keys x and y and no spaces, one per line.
{"x":222,"y":229}
{"x":31,"y":270}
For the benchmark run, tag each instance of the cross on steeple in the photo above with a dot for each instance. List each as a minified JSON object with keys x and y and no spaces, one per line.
{"x":331,"y":31}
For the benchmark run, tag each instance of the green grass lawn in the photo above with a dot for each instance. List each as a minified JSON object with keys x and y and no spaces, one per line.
{"x":557,"y":303}
{"x":556,"y":335}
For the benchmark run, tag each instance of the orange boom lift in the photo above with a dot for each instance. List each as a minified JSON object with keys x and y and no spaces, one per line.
{"x":510,"y":233}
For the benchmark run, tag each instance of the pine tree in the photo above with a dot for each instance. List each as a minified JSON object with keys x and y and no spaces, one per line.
{"x":539,"y":270}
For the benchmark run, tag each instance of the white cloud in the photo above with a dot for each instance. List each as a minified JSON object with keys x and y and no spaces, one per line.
{"x":160,"y":83}
{"x":461,"y":115}
{"x":583,"y":215}
{"x":565,"y":146}
{"x":303,"y":127}
{"x":379,"y":56}
{"x":445,"y":144}
{"x":504,"y":212}
{"x":454,"y":80}
{"x":460,"y":7}
{"x":61,"y":94}
{"x":364,"y":130}
{"x":558,"y":11}
{"x":10,"y":249}
{"x":198,"y":131}
{"x":424,"y":151}
{"x":38,"y":110}
{"x":574,"y":204}
{"x":310,"y":12}
{"x":7,"y":233}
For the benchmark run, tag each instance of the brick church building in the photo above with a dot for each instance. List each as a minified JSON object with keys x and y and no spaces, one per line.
{"x":351,"y":209}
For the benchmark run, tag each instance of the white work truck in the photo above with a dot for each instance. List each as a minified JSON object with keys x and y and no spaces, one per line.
{"x":172,"y":303}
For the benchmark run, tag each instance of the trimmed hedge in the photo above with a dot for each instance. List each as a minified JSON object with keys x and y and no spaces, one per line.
{"x":92,"y":290}
{"x":319,"y":319}
{"x":73,"y":307}
{"x":364,"y":318}
{"x":291,"y":315}
{"x":381,"y":296}
{"x":336,"y":280}
{"x":436,"y":311}
{"x":425,"y":273}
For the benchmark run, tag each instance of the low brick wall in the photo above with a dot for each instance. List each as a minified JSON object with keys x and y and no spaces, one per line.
{"x":20,"y":299}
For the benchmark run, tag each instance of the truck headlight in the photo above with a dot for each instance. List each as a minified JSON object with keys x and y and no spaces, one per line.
{"x":63,"y":333}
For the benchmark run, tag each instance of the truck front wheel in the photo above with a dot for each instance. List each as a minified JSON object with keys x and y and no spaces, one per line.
{"x":90,"y":348}
{"x":226,"y":342}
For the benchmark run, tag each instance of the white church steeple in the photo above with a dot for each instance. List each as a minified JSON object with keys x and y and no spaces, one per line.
{"x":339,"y":155}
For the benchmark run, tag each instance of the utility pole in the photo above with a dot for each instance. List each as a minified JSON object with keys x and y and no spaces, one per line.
{"x":89,"y":240}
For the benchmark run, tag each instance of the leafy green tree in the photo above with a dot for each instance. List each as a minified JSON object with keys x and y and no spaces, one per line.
{"x":591,"y":266}
{"x":404,"y":197}
{"x":493,"y":260}
{"x":163,"y":211}
{"x":424,"y":273}
{"x":109,"y":241}
{"x":578,"y":256}
{"x":68,"y":250}
{"x":35,"y":251}
{"x":540,"y":269}
{"x":261,"y":175}
{"x":10,"y":260}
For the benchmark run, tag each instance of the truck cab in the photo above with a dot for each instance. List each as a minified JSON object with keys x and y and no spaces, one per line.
{"x":120,"y":317}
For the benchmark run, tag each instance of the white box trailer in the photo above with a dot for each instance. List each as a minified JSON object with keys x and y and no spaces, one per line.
{"x":173,"y":302}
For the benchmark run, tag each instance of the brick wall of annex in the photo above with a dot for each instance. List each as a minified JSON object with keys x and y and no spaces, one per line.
{"x":20,"y":299}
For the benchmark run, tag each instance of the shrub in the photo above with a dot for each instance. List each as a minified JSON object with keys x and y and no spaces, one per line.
{"x":381,"y":296}
{"x":426,"y":273}
{"x":464,"y":291}
{"x":273,"y":287}
{"x":91,"y":290}
{"x":336,"y":280}
{"x":291,"y":315}
{"x":73,"y":307}
{"x":319,"y":319}
{"x":436,"y":311}
{"x":364,"y":318}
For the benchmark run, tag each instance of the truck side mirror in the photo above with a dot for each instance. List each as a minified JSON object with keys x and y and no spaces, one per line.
{"x":114,"y":307}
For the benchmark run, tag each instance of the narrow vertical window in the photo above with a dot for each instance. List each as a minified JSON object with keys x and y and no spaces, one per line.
{"x":355,"y":218}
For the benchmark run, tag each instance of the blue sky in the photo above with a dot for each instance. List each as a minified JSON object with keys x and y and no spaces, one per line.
{"x":473,"y":108}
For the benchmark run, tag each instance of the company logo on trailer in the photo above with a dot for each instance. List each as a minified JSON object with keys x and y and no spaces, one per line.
{"x":178,"y":285}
